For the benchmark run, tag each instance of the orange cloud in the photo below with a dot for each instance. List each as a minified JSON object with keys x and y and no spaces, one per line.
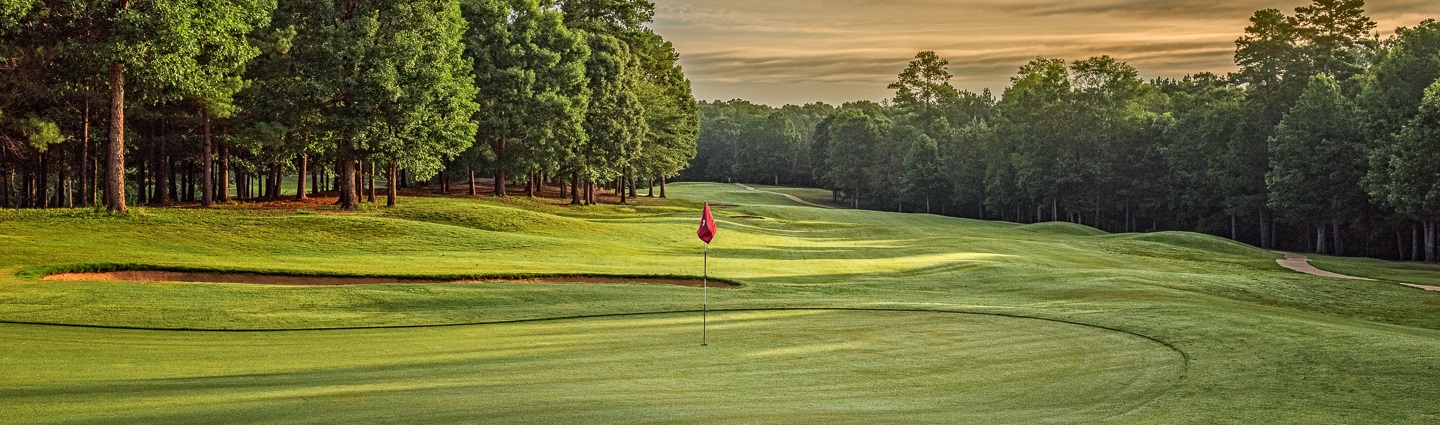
{"x":800,"y":51}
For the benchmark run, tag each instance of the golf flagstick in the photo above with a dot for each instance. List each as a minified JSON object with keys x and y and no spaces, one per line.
{"x":706,"y":233}
{"x":705,"y":300}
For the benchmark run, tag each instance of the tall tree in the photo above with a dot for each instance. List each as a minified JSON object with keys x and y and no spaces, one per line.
{"x":530,"y":71}
{"x":923,"y":84}
{"x":614,"y":120}
{"x":388,"y":77}
{"x":1316,"y":162}
{"x":1395,"y":86}
{"x":672,"y":118}
{"x":1334,"y":35}
{"x":1403,"y":174}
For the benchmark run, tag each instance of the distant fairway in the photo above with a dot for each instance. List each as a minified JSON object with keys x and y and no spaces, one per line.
{"x":843,"y":316}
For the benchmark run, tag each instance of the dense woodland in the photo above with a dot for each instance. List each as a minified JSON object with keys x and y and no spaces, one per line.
{"x":1327,"y":139}
{"x":118,"y":102}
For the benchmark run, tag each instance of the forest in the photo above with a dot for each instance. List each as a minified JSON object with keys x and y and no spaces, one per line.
{"x":121,"y":102}
{"x":1326,"y":139}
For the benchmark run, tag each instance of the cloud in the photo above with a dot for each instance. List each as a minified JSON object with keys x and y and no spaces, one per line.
{"x":797,"y":51}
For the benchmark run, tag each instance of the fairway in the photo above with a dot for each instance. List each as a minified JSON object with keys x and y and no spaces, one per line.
{"x":763,"y":367}
{"x":838,"y":316}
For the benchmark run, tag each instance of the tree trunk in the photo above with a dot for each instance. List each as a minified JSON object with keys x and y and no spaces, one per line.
{"x":632,"y":184}
{"x":279,"y":181}
{"x":85,"y":193}
{"x":1054,"y":209}
{"x":6,"y":174}
{"x":189,"y":180}
{"x":575,"y":188}
{"x":621,"y":187}
{"x":359,"y":180}
{"x":1234,"y":231}
{"x":1320,"y":244}
{"x":530,"y":185}
{"x":162,"y":176}
{"x":1339,"y":238}
{"x":470,"y":171}
{"x":141,"y":187}
{"x":174,"y":177}
{"x":391,"y":189}
{"x":42,"y":182}
{"x":302,"y":170}
{"x":651,"y":182}
{"x":1400,"y":244}
{"x":1265,"y":233}
{"x":223,"y":192}
{"x":345,"y":169}
{"x":115,"y":166}
{"x":1430,"y":255}
{"x":499,"y":147}
{"x":445,"y":179}
{"x":1415,"y":243}
{"x":662,"y":186}
{"x":63,"y":196}
{"x":207,"y":184}
{"x":371,"y":196}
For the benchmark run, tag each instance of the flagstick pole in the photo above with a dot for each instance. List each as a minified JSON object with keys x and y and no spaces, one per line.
{"x":705,"y":300}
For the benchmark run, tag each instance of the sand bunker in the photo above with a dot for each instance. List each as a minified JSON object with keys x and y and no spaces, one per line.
{"x":260,"y":279}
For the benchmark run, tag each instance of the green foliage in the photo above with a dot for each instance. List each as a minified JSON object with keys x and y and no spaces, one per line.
{"x":12,"y":11}
{"x":1316,"y":157}
{"x":41,"y":133}
{"x":389,"y":79}
{"x":672,"y":117}
{"x":1394,"y":87}
{"x":614,"y":119}
{"x":530,"y":72}
{"x":1402,"y":174}
{"x":923,"y":83}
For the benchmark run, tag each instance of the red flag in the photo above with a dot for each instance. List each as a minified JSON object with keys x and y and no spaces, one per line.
{"x":707,"y":225}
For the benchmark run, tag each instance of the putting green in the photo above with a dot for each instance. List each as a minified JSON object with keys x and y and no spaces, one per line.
{"x":782,"y":366}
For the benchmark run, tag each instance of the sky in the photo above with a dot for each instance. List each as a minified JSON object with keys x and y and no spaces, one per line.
{"x":800,"y":51}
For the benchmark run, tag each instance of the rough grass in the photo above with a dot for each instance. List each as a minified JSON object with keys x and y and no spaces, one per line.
{"x":1248,"y":341}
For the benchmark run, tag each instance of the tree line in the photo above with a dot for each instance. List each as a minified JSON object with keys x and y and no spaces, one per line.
{"x":159,"y":101}
{"x":1326,"y":139}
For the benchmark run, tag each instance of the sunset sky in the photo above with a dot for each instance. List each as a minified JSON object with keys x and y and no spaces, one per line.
{"x":800,"y":51}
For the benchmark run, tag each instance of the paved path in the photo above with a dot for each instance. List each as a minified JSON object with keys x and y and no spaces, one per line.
{"x":1301,"y":263}
{"x":792,"y":197}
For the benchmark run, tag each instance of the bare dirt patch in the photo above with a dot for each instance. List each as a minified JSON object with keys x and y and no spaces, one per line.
{"x":259,"y":279}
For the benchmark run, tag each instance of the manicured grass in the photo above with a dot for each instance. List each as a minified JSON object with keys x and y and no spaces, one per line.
{"x":763,"y":367}
{"x":1416,"y":273}
{"x":1159,"y":328}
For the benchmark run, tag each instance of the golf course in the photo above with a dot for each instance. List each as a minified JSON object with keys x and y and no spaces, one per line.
{"x":830,"y":315}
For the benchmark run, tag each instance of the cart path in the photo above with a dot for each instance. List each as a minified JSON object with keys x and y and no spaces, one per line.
{"x":1301,"y":263}
{"x":792,"y":197}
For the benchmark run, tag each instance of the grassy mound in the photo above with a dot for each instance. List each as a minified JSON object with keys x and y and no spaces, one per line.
{"x":475,"y":215}
{"x":1197,"y":241}
{"x":1061,"y":228}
